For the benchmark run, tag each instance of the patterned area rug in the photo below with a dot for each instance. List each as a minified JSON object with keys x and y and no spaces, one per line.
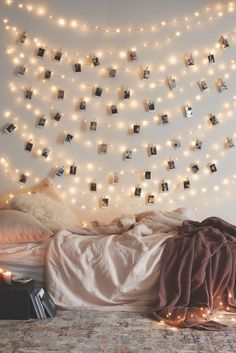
{"x":111,"y":332}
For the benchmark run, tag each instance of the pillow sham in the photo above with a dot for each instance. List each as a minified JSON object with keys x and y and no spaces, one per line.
{"x":19,"y":227}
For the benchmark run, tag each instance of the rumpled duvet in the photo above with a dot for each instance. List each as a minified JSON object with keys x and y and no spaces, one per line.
{"x":111,"y":266}
{"x":197,"y":275}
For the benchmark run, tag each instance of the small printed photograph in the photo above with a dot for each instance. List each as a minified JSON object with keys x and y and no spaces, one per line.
{"x":103,"y":148}
{"x":58,"y":55}
{"x":112,"y":72}
{"x":95,"y":61}
{"x":93,"y":186}
{"x":188,"y":111}
{"x":60,"y":94}
{"x":47,"y":74}
{"x":115,"y":178}
{"x":82,"y":104}
{"x":211,"y":58}
{"x":78,"y":67}
{"x":40,"y":52}
{"x":138,"y":191}
{"x":23,"y":178}
{"x":60,"y":171}
{"x":45,"y":152}
{"x":21,"y":70}
{"x":104,"y":202}
{"x":171,"y":82}
{"x":113,"y":109}
{"x":98,"y":92}
{"x":213,"y":120}
{"x":147,"y":175}
{"x":21,"y":38}
{"x":150,"y":198}
{"x":126,"y":94}
{"x":213,"y":168}
{"x":229,"y":143}
{"x":221,"y":85}
{"x":132,"y":55}
{"x":73,"y":169}
{"x":164,"y":186}
{"x":68,"y":138}
{"x":186,"y":184}
{"x":152,"y":150}
{"x":136,"y":129}
{"x":203,"y":85}
{"x":93,"y":125}
{"x":28,"y":94}
{"x":164,"y":119}
{"x":29,"y":146}
{"x":198,"y":145}
{"x":128,"y":154}
{"x":189,"y":60}
{"x":223,"y":42}
{"x":146,"y":73}
{"x":41,"y":122}
{"x":176,"y":144}
{"x":9,"y":128}
{"x":171,"y":164}
{"x":57,"y":116}
{"x":150,"y":105}
{"x":194,"y":168}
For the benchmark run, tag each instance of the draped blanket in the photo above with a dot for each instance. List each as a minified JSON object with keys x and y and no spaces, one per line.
{"x":197,"y":275}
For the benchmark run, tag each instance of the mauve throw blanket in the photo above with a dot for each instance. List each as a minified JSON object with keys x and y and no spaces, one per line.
{"x":197,"y":275}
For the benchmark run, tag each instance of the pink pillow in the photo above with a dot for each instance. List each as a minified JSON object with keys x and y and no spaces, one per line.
{"x":20,"y":227}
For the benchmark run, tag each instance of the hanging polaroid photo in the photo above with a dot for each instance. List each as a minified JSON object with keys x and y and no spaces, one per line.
{"x":47,"y":74}
{"x":78,"y":67}
{"x":95,"y":61}
{"x":223,"y":42}
{"x":198,"y":145}
{"x":211,"y":58}
{"x":138,"y":191}
{"x":41,"y":122}
{"x":73,"y":169}
{"x":213,"y":120}
{"x":152,"y":150}
{"x":132,"y":55}
{"x":60,"y":94}
{"x":40,"y":52}
{"x":57,"y":116}
{"x":60,"y":171}
{"x":28,"y":93}
{"x":170,"y":164}
{"x":164,"y":119}
{"x":186,"y":184}
{"x":103,"y":148}
{"x":23,"y":178}
{"x":20,"y":70}
{"x":188,"y":111}
{"x":150,"y":106}
{"x":68,"y":138}
{"x":104,"y":202}
{"x":115,"y":178}
{"x":195,"y":168}
{"x":111,"y":72}
{"x":9,"y":128}
{"x":126,"y":94}
{"x":58,"y":55}
{"x":150,"y":198}
{"x":147,"y":175}
{"x":221,"y":85}
{"x":29,"y":146}
{"x":146,"y":73}
{"x":98,"y":92}
{"x":171,"y":82}
{"x":113,"y":109}
{"x":203,"y":85}
{"x":212,"y":168}
{"x":93,"y":125}
{"x":45,"y":152}
{"x":82,"y":104}
{"x":93,"y":186}
{"x":136,"y":129}
{"x":176,"y":144}
{"x":128,"y":154}
{"x":229,"y":143}
{"x":164,"y":186}
{"x":21,"y":38}
{"x":189,"y":60}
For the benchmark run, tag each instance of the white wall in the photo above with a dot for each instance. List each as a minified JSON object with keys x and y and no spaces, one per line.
{"x":164,"y":59}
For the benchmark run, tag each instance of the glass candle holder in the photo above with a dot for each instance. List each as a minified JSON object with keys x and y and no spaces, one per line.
{"x":7,"y":276}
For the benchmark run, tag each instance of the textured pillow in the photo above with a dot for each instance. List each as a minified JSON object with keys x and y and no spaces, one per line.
{"x":54,"y":215}
{"x":47,"y":187}
{"x":19,"y":227}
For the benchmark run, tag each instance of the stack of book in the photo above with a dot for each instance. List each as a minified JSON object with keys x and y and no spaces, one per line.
{"x":42,"y":303}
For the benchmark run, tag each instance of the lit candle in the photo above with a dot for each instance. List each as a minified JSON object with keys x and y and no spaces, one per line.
{"x":1,"y":272}
{"x":6,"y":276}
